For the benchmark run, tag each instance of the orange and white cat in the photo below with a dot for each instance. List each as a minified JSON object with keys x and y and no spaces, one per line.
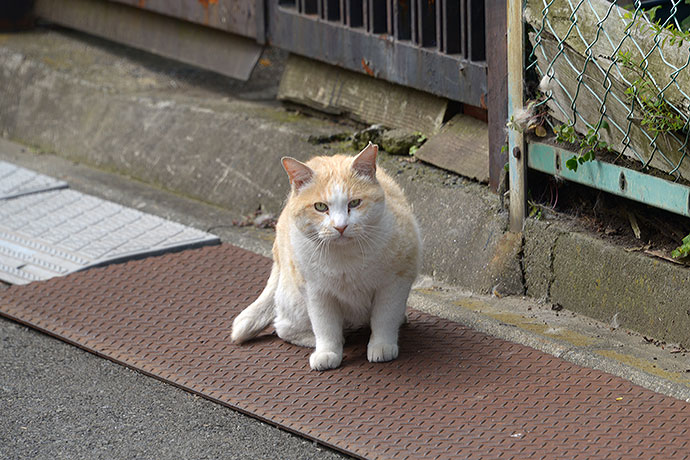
{"x":346,"y":253}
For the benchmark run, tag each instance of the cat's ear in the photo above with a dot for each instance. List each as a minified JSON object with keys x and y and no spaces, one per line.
{"x":298,"y":172}
{"x":365,"y":161}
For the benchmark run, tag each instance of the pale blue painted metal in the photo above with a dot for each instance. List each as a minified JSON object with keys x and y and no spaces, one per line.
{"x":618,"y":180}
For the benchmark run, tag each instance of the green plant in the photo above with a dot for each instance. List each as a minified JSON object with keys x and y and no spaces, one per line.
{"x":674,"y":36}
{"x":535,"y":210}
{"x":588,"y":144}
{"x":658,"y":116}
{"x":421,"y":138}
{"x":683,"y":250}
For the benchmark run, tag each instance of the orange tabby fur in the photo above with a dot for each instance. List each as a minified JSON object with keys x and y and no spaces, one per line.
{"x":349,"y":266}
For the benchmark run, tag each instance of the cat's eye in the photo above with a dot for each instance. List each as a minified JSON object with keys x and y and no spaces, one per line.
{"x":321,"y":207}
{"x":354,"y":203}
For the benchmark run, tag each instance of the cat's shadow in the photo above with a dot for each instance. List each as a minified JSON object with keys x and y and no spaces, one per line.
{"x":419,"y":340}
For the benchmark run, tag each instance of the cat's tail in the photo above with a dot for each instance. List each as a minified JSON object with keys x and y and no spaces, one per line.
{"x":259,"y":315}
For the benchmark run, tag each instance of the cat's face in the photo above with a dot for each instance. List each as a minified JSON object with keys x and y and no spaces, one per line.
{"x":337,"y":200}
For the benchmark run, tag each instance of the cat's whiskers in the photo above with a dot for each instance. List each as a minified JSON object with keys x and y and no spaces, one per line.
{"x":320,"y":251}
{"x":334,"y":257}
{"x":371,"y":236}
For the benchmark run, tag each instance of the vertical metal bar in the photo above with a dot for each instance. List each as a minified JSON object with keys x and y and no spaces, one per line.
{"x":463,"y":32}
{"x":389,"y":17}
{"x":440,"y":12}
{"x":477,"y":34}
{"x":378,"y":16}
{"x":402,"y":19}
{"x":413,"y":21}
{"x":260,"y":9}
{"x":395,"y":7}
{"x":452,"y":26}
{"x":516,"y":142}
{"x":468,"y":27}
{"x":426,"y":23}
{"x":497,"y":90}
{"x":365,"y":15}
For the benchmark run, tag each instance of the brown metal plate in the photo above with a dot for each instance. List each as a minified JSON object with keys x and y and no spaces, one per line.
{"x":453,"y":393}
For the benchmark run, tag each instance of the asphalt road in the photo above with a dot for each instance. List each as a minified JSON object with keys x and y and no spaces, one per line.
{"x":60,"y":402}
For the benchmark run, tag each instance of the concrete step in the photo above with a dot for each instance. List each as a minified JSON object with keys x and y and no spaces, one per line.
{"x":219,"y":141}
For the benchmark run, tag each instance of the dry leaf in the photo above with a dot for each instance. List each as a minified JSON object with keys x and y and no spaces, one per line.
{"x":635,"y":226}
{"x":661,"y":255}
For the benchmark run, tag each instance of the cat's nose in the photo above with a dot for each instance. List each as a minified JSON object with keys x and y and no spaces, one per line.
{"x":341,"y":229}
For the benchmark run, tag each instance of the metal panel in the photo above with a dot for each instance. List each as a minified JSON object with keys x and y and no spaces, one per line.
{"x":16,"y":181}
{"x":50,"y":234}
{"x":454,"y":393}
{"x":243,"y":17}
{"x":497,"y":95}
{"x":611,"y":178}
{"x":205,"y":47}
{"x":399,"y":41}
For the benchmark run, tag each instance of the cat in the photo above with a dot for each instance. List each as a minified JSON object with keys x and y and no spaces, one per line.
{"x":346,"y":253}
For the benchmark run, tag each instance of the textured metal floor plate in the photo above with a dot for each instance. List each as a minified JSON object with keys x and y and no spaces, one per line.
{"x":17,"y":181}
{"x":454,"y":392}
{"x":54,"y":233}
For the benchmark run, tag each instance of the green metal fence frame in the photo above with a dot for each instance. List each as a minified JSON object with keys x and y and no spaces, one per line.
{"x":550,"y":159}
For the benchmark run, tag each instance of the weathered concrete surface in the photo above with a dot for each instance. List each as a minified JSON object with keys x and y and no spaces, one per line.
{"x":463,"y":227}
{"x":574,"y":337}
{"x":218,"y":141}
{"x":590,"y":276}
{"x":150,"y":119}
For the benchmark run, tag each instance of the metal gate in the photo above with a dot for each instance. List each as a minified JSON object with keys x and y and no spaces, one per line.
{"x":242,"y":17}
{"x":436,"y":46}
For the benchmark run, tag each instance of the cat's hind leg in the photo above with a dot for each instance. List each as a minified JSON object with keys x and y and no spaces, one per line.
{"x":301,"y":337}
{"x":292,"y":320}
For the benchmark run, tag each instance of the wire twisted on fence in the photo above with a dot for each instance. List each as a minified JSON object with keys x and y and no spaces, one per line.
{"x":604,"y":68}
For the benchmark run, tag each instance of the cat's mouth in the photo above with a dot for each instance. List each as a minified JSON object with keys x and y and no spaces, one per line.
{"x":340,"y":239}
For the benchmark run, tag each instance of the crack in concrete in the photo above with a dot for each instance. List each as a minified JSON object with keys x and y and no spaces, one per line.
{"x":552,"y":265}
{"x":521,"y":263}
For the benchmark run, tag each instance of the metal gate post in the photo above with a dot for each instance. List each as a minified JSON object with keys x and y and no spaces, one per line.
{"x":516,"y":143}
{"x":497,"y":95}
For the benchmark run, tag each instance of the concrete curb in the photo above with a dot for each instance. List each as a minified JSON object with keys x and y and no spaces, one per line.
{"x":567,"y":335}
{"x":194,"y":133}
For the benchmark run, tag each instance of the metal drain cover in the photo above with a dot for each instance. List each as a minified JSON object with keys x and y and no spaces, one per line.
{"x":17,"y":181}
{"x":48,"y":234}
{"x":453,"y":393}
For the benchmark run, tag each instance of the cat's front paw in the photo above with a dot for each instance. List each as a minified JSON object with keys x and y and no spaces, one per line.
{"x":381,"y":352}
{"x":324,"y":360}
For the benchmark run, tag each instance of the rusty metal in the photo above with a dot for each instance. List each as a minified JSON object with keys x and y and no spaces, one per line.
{"x":453,"y":392}
{"x":435,"y":46}
{"x":207,"y":47}
{"x":243,"y":17}
{"x":497,"y":90}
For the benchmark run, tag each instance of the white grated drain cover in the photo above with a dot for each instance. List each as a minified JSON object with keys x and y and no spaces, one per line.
{"x":16,"y":181}
{"x":48,"y":234}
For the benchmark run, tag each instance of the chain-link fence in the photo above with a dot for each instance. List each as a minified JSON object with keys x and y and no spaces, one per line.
{"x":614,"y":77}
